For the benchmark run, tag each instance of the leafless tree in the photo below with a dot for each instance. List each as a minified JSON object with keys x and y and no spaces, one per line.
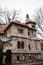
{"x":38,"y":18}
{"x":7,"y":16}
{"x":15,"y":14}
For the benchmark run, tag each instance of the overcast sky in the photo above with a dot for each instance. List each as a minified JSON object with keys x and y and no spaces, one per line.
{"x":26,"y":6}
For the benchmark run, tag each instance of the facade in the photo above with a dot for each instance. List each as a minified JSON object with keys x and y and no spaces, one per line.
{"x":41,"y":43}
{"x":18,"y":42}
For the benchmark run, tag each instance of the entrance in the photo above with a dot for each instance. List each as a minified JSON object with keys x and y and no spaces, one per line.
{"x":1,"y":56}
{"x":17,"y":58}
{"x":8,"y":56}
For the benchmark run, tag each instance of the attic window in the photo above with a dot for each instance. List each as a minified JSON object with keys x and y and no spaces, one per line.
{"x":20,"y":31}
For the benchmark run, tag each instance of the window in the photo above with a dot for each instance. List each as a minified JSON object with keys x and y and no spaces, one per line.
{"x":33,"y":26}
{"x":29,"y":47}
{"x":29,"y":57}
{"x":18,"y":45}
{"x":22,"y":45}
{"x":28,"y":33}
{"x":36,"y":45}
{"x":34,"y":34}
{"x":20,"y":31}
{"x":42,"y":46}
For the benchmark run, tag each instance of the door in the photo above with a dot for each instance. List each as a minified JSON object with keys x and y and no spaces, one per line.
{"x":8,"y":56}
{"x":17,"y":58}
{"x":1,"y":56}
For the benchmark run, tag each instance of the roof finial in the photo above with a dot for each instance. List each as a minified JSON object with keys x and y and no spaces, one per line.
{"x":27,"y":16}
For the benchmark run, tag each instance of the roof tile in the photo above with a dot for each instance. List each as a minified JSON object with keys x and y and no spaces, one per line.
{"x":16,"y":21}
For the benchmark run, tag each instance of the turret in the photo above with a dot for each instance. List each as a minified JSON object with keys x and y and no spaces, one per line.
{"x":29,"y":22}
{"x":31,"y":27}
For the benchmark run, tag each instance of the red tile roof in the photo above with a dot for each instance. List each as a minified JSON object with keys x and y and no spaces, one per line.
{"x":3,"y":29}
{"x":29,"y":21}
{"x":1,"y":32}
{"x":6,"y":25}
{"x":16,"y":21}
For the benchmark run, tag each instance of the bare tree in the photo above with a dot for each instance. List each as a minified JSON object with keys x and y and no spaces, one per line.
{"x":7,"y":16}
{"x":15,"y":14}
{"x":38,"y":18}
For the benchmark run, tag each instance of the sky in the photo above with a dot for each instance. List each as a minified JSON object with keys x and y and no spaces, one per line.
{"x":25,"y":6}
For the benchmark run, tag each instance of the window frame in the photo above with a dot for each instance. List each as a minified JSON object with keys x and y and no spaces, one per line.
{"x":20,"y":31}
{"x":18,"y":44}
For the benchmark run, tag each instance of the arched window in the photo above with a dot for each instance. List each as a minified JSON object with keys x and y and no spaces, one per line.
{"x":22,"y":45}
{"x":29,"y":57}
{"x":18,"y":44}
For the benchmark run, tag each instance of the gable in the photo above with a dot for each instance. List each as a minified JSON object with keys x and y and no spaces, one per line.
{"x":6,"y":26}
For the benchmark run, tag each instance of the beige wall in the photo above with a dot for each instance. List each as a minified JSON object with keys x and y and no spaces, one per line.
{"x":13,"y":31}
{"x":26,"y":49}
{"x":27,"y":39}
{"x":41,"y":43}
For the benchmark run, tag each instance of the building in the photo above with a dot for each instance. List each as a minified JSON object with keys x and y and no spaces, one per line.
{"x":18,"y":42}
{"x":41,"y":43}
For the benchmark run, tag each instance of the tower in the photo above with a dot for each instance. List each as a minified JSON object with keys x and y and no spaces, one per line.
{"x":31,"y":24}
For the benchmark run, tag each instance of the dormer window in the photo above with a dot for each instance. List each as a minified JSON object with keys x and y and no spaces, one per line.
{"x":20,"y":31}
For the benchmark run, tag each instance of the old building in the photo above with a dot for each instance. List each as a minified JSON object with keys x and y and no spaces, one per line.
{"x":19,"y":42}
{"x":41,"y":43}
